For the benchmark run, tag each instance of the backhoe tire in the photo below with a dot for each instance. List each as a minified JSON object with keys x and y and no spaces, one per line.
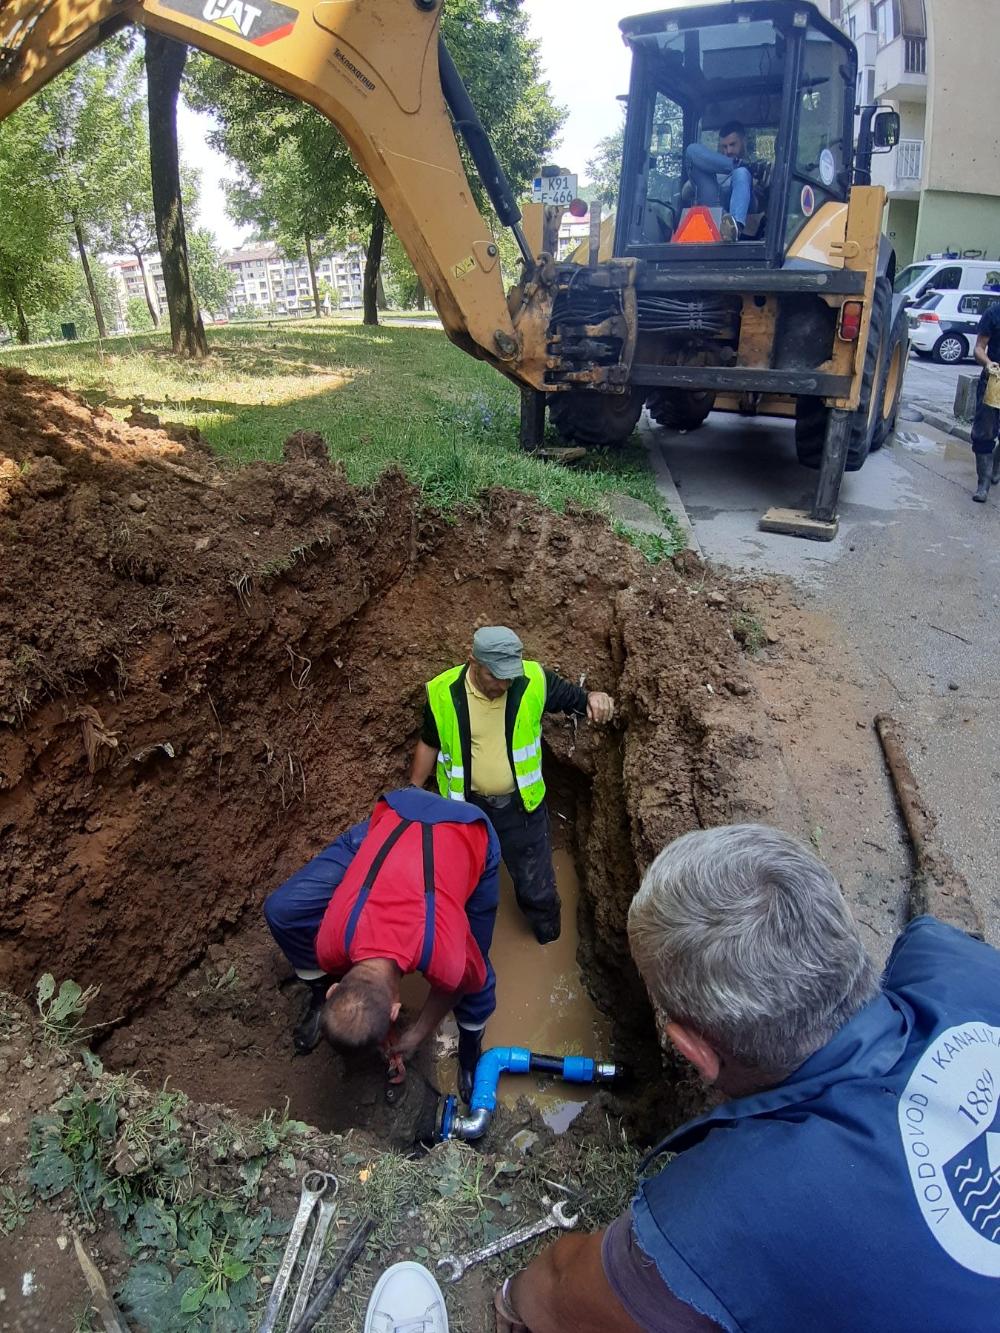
{"x":582,"y":416}
{"x":812,"y":414}
{"x":890,"y":385}
{"x":680,"y":409}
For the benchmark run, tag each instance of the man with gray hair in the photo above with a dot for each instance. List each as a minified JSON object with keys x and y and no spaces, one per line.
{"x":851,"y":1178}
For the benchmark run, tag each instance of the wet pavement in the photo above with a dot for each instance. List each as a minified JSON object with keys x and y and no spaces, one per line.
{"x":912,"y":580}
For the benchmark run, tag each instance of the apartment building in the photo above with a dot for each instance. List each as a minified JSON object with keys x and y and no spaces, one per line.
{"x":264,"y":279}
{"x":934,"y":62}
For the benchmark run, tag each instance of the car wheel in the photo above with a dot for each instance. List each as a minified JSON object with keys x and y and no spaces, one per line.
{"x":949,"y":349}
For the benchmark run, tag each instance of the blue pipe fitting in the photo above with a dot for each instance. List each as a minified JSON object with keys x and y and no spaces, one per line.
{"x":578,"y":1069}
{"x":492,"y":1063}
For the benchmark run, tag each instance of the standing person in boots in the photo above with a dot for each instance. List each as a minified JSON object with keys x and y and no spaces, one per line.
{"x":482,"y":733}
{"x":414,"y":888}
{"x":986,"y":424}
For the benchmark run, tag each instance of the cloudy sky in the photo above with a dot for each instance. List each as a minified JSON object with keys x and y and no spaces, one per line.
{"x":585,"y":62}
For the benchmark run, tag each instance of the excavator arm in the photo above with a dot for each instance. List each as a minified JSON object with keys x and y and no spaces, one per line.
{"x":374,"y":68}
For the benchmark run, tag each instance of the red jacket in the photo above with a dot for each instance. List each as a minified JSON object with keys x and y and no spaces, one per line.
{"x":403,"y":897}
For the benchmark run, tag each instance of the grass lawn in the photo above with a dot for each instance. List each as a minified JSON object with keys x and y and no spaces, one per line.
{"x":379,"y":396}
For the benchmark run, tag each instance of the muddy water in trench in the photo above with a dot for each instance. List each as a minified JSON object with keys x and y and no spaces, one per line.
{"x":542,"y":1003}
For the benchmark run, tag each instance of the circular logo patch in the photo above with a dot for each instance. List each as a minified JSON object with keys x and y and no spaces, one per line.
{"x":827,"y":167}
{"x":808,"y":200}
{"x":949,"y":1120}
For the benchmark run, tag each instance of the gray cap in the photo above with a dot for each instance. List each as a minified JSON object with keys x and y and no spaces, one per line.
{"x":499,"y":650}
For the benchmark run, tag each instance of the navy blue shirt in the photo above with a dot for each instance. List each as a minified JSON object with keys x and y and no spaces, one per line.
{"x":989,"y":326}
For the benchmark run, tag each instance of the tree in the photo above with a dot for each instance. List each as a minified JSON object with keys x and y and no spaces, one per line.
{"x":605,"y":168}
{"x":35,"y":274}
{"x":138,"y":315}
{"x":165,"y":60}
{"x":500,"y":63}
{"x":213,"y":282}
{"x":75,"y":305}
{"x":88,"y":139}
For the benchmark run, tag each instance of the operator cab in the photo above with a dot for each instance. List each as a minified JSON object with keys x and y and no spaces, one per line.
{"x":780,"y":72}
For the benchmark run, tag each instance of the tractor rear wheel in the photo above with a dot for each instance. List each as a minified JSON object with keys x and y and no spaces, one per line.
{"x":890,"y":388}
{"x":680,"y":409}
{"x":586,"y":417}
{"x":812,"y":414}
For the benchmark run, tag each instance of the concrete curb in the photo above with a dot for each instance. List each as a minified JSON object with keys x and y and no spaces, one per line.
{"x":668,"y":489}
{"x":940,"y":421}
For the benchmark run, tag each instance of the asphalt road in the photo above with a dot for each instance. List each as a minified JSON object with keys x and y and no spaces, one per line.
{"x":912,"y":580}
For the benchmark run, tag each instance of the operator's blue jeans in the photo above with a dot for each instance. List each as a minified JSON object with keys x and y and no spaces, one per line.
{"x":706,"y":166}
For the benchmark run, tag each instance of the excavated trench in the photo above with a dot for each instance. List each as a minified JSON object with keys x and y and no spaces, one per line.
{"x":204,"y":676}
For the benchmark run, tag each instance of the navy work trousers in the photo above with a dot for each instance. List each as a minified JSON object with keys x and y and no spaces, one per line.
{"x":526,"y":848}
{"x":986,"y":422}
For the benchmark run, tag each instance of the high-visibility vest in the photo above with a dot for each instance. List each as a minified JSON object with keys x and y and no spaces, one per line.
{"x":524,"y":747}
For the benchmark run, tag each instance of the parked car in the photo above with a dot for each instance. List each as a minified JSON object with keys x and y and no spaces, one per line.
{"x":944,"y":325}
{"x":939,"y":275}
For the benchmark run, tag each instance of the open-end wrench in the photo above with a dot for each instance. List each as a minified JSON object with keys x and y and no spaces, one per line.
{"x":314,"y":1185}
{"x":454,"y":1265}
{"x":327,"y":1208}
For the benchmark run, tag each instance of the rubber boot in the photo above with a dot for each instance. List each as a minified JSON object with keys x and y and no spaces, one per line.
{"x":995,"y":478}
{"x":305,"y":1036}
{"x":984,"y":471}
{"x":470,"y":1047}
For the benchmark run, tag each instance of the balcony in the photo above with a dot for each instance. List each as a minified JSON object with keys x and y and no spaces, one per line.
{"x":901,"y":70}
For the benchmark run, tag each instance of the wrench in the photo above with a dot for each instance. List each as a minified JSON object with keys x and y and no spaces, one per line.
{"x":327,"y":1208}
{"x":314,"y":1185}
{"x":454,"y":1265}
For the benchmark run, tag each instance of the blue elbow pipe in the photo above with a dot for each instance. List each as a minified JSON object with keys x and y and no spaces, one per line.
{"x":515,"y":1060}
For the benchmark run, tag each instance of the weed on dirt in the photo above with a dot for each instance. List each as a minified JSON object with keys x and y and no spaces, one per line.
{"x":380,"y":397}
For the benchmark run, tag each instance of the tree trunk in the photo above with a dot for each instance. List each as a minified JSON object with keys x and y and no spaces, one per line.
{"x":23,"y":332}
{"x":154,"y":306}
{"x":380,"y":297}
{"x":421,"y":296}
{"x":312,"y":277}
{"x":373,"y":266}
{"x":165,"y":60}
{"x":95,"y":300}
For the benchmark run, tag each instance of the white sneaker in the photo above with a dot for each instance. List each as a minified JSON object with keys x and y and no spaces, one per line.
{"x":406,"y":1299}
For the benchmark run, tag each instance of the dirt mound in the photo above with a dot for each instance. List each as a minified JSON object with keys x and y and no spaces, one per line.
{"x":208,"y":673}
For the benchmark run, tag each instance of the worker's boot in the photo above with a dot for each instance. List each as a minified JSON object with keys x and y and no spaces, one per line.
{"x":470,"y":1047}
{"x":995,"y":478}
{"x":729,"y":229}
{"x":984,"y":472}
{"x":306,"y":1034}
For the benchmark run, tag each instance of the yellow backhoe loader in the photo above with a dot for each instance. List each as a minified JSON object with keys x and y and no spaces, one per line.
{"x":794,"y":318}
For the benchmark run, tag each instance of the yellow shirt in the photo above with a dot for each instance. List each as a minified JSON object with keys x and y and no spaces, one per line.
{"x":491,"y":771}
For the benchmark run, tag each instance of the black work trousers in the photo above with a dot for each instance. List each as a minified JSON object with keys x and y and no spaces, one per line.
{"x":526,"y":848}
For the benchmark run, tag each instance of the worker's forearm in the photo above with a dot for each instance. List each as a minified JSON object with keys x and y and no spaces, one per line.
{"x":437,"y":1007}
{"x":981,"y":356}
{"x":536,"y":1292}
{"x":424,"y":762}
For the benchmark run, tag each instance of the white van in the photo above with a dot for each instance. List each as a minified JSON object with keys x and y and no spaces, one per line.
{"x":941,"y":275}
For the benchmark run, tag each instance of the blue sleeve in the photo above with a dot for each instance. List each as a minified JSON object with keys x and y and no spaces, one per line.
{"x":481,"y":908}
{"x":295,"y":910}
{"x":933,"y":962}
{"x":990,"y":322}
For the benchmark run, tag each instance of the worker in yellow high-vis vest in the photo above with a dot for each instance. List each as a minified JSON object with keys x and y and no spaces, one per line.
{"x":482,"y":733}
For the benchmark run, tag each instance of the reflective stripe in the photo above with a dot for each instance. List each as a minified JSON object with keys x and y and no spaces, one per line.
{"x":525,"y":752}
{"x":456,"y":795}
{"x":458,"y":771}
{"x":529,"y":779}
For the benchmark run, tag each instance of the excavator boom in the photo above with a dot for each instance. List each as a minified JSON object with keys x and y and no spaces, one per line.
{"x":372,"y":67}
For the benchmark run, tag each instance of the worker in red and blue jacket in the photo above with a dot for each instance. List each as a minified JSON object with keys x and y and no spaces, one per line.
{"x":414,"y":888}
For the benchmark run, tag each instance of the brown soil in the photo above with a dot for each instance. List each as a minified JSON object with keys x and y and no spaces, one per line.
{"x":205,"y":674}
